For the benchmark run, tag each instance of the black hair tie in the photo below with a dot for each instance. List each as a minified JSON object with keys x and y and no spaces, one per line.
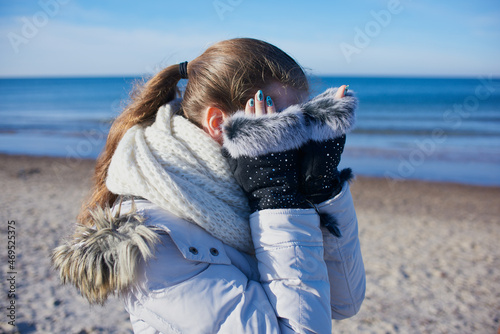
{"x":183,"y":70}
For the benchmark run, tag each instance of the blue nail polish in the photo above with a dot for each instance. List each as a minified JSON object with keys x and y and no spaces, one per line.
{"x":269,"y":101}
{"x":251,"y":103}
{"x":346,"y":89}
{"x":260,"y":95}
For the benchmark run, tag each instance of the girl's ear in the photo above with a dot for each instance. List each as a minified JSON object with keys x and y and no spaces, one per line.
{"x":212,"y":123}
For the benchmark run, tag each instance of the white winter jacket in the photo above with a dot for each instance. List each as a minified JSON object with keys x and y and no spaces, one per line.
{"x":301,"y":277}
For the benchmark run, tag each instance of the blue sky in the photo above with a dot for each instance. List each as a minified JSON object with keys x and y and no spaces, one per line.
{"x":394,"y":37}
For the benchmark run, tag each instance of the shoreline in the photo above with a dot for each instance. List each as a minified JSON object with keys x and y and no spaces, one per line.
{"x":430,"y":252}
{"x":69,"y":162}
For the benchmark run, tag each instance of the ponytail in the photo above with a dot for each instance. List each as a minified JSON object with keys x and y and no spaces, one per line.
{"x":159,"y":90}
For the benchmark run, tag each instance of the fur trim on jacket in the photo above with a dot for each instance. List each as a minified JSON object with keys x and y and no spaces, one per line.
{"x":103,"y":260}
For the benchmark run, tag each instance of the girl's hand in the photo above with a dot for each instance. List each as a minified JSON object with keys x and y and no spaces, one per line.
{"x":341,"y":91}
{"x":320,"y":177}
{"x":260,"y":106}
{"x":270,"y":180}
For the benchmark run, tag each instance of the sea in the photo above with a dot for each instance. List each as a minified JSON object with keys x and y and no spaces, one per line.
{"x":434,"y":129}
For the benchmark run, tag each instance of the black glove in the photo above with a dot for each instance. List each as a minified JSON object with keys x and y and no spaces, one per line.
{"x":270,"y":181}
{"x":252,"y":143}
{"x":320,"y":179}
{"x":328,"y":119}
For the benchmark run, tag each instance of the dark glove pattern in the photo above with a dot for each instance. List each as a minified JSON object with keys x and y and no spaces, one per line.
{"x":290,"y":159}
{"x":270,"y":181}
{"x":320,"y":178}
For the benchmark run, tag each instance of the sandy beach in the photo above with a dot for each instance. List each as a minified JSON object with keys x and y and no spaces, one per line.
{"x":431,"y":252}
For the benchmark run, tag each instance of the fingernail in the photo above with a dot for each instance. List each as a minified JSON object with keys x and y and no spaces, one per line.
{"x":269,"y":101}
{"x":260,"y":95}
{"x":346,"y":89}
{"x":251,"y":103}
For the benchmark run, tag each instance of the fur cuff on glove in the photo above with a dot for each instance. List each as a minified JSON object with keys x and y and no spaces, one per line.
{"x":322,"y":118}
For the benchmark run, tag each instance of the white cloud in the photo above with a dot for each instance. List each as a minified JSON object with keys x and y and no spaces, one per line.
{"x":63,"y":49}
{"x":60,"y":48}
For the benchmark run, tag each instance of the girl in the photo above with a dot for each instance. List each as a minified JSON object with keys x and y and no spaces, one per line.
{"x":223,"y":221}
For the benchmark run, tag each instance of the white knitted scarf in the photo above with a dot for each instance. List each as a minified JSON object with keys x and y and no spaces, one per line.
{"x":176,"y":165}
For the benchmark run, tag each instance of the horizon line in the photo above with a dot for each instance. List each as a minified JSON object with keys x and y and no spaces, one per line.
{"x":309,"y":75}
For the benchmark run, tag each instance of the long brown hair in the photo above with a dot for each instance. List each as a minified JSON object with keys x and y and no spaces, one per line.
{"x":225,"y":75}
